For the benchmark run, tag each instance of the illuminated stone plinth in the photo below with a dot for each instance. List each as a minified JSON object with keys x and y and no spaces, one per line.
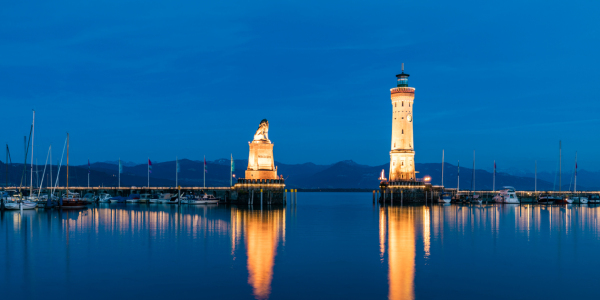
{"x":261,"y":164}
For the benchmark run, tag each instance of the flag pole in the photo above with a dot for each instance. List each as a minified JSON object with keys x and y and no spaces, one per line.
{"x":494,"y":181}
{"x":575,"y":189}
{"x":458,"y":178}
{"x":442,"y":168}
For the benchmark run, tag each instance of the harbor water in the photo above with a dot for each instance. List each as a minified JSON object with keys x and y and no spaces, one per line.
{"x":327,"y":246}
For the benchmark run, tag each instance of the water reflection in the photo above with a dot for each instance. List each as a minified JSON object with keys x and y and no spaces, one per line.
{"x":528,"y":219}
{"x":400,"y":231}
{"x":232,"y":253}
{"x":262,"y":230}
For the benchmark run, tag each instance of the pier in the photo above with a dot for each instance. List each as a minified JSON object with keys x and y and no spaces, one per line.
{"x":400,"y":194}
{"x":245,"y":192}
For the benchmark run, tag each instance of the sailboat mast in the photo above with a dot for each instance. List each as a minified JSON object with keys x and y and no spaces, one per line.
{"x":67,"y":165}
{"x":6,"y":178}
{"x":473,"y":188}
{"x":494,"y":179}
{"x":458,"y":177}
{"x":50,"y":167}
{"x":31,"y":170}
{"x":442,"y":168}
{"x":575,"y":188}
{"x":535,"y":184}
{"x":560,"y":166}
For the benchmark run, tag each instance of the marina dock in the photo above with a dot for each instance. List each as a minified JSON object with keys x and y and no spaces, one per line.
{"x":246,"y":192}
{"x":430,"y":194}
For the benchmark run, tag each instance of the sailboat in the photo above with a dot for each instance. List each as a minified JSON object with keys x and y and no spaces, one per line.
{"x":21,"y":203}
{"x":72,"y":199}
{"x":578,"y":198}
{"x":474,"y":197}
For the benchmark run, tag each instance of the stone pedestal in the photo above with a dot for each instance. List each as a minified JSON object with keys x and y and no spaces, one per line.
{"x":261,"y":164}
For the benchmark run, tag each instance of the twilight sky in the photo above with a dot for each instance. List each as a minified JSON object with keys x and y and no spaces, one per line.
{"x":138,"y":79}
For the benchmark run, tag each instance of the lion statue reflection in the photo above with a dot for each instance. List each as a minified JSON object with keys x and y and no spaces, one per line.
{"x":262,"y":133}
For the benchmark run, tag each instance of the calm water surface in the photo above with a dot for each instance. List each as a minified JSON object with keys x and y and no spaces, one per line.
{"x":330,"y":245}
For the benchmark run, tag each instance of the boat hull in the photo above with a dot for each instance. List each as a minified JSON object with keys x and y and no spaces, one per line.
{"x":73,"y":204}
{"x":11,"y":206}
{"x":196,"y":202}
{"x":15,"y":206}
{"x":564,"y":201}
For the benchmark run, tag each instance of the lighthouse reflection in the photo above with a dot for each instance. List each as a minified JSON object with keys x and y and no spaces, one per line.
{"x":261,"y":231}
{"x":397,"y":229}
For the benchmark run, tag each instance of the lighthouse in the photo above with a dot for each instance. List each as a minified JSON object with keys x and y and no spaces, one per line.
{"x":402,"y":155}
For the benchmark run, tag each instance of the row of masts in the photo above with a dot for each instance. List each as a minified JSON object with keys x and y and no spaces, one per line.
{"x":31,"y":171}
{"x":535,"y":175}
{"x":31,"y":187}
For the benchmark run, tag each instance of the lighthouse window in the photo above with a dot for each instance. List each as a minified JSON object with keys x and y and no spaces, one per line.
{"x":402,"y":131}
{"x":408,"y":104}
{"x":395,"y":104}
{"x":402,"y":103}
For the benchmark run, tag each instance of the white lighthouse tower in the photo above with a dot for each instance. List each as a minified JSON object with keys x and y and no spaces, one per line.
{"x":402,"y":156}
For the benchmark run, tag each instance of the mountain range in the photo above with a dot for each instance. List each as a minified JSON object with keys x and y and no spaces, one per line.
{"x":341,"y":175}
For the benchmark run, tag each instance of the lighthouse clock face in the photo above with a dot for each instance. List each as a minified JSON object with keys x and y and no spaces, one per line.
{"x":409,"y":118}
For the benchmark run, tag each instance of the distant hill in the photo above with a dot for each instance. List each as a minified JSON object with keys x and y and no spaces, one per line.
{"x":341,"y":175}
{"x":123,"y":163}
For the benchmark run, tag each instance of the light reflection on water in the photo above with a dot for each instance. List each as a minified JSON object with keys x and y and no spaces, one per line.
{"x":332,"y":245}
{"x":262,"y":232}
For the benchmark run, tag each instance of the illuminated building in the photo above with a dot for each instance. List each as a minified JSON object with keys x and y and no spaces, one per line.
{"x":402,"y":156}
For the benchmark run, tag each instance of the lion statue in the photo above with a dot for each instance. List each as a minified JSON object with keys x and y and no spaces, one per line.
{"x":262,"y":133}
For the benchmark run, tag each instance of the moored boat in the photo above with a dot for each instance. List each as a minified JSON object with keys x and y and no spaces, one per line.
{"x":445,"y":197}
{"x":206,"y":199}
{"x":71,"y":200}
{"x":133,"y":198}
{"x":144,"y":198}
{"x":89,"y":198}
{"x":475,"y":199}
{"x":17,"y":205}
{"x":508,"y":196}
{"x":154,"y":198}
{"x":72,"y":203}
{"x":563,"y":200}
{"x":546,"y":199}
{"x":104,"y":198}
{"x":168,"y":198}
{"x":580,"y":199}
{"x":594,"y":199}
{"x":172,"y":200}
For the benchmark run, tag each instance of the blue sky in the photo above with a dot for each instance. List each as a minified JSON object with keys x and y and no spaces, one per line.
{"x":159,"y":79}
